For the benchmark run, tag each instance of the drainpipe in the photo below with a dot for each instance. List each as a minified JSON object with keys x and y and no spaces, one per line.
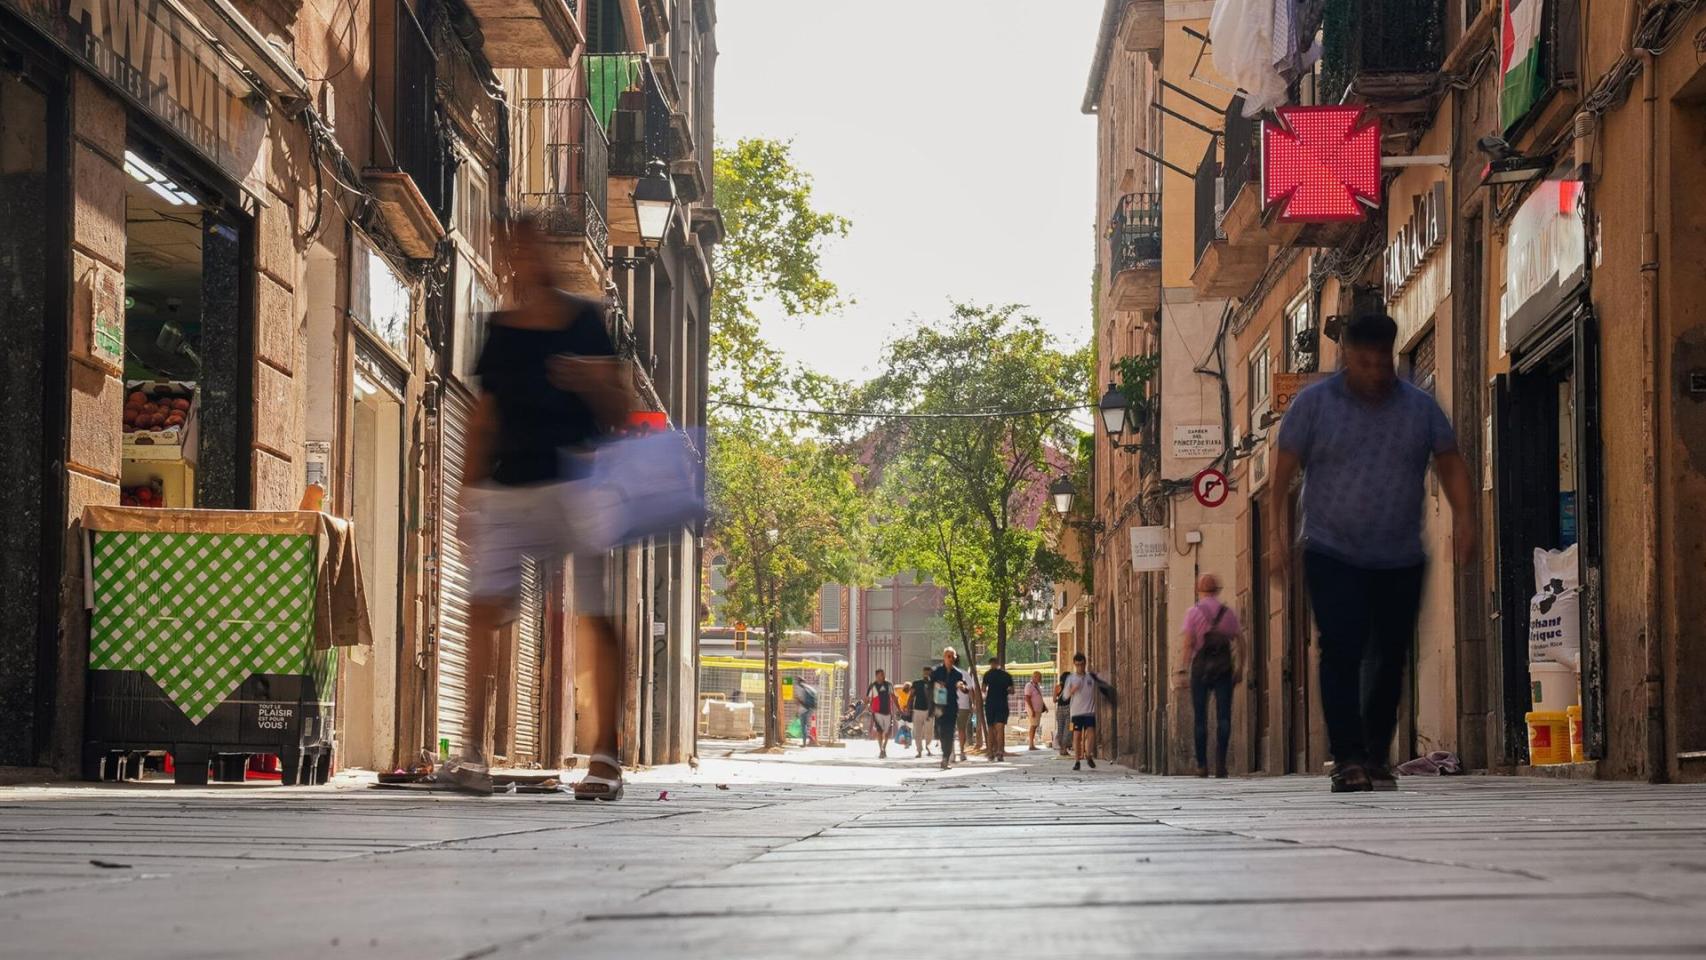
{"x":1658,"y":764}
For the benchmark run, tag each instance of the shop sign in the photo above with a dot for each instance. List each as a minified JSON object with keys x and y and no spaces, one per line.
{"x":163,"y":63}
{"x":106,"y":317}
{"x":1148,"y":549}
{"x":1288,"y":385}
{"x":1202,"y":441}
{"x":1417,"y":280}
{"x":1545,"y":257}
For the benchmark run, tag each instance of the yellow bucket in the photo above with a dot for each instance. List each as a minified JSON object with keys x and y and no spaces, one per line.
{"x":1577,"y":754}
{"x":1548,"y":737}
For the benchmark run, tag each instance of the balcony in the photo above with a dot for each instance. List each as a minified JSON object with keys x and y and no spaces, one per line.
{"x":629,"y":99}
{"x":528,"y":33}
{"x":410,"y":179}
{"x":1222,"y":269}
{"x":1134,"y":247}
{"x":1243,"y":221}
{"x":561,"y":174}
{"x":1144,"y":27}
{"x":1385,"y":53}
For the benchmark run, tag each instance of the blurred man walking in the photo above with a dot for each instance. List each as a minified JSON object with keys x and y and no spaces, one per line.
{"x":923,"y":713}
{"x":880,"y":695}
{"x":1036,"y":704}
{"x":1080,"y":688}
{"x":1211,"y":633}
{"x":948,"y":687}
{"x":1363,"y":440}
{"x":997,"y":692}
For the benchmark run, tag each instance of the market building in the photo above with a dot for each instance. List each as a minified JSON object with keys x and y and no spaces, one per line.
{"x":264,"y":239}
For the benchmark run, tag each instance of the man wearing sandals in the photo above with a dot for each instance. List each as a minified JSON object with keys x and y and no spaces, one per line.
{"x":1363,"y":440}
{"x":550,"y":387}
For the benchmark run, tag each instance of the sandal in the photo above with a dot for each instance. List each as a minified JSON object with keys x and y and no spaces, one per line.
{"x":1351,"y":778}
{"x":592,"y":787}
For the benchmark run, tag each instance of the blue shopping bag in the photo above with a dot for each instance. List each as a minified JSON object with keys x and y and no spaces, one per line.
{"x":654,"y":483}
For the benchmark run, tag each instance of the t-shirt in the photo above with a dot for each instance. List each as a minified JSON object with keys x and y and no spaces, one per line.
{"x":921,"y":697}
{"x":949,"y":679}
{"x":1081,"y":691}
{"x":965,"y":695}
{"x":1034,"y":696}
{"x":884,"y":692}
{"x":537,"y":421}
{"x":1200,"y":618}
{"x":1364,"y":465}
{"x":999,"y":684}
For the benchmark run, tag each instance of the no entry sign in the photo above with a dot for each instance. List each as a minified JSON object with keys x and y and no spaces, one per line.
{"x":1211,"y":488}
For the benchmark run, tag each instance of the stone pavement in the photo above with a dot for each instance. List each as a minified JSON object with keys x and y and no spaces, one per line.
{"x":831,"y":853}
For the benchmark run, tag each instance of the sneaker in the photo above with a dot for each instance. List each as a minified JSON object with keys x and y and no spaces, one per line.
{"x":1351,"y":778}
{"x":1380,"y":776}
{"x":1077,"y":765}
{"x":1091,"y":761}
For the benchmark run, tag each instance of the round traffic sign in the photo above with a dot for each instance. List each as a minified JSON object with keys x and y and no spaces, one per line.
{"x":1211,"y":488}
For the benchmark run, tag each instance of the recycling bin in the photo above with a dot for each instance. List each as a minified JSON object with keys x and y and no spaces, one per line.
{"x":208,"y":639}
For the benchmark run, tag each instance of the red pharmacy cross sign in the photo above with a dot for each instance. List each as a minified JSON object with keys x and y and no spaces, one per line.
{"x":1321,"y":164}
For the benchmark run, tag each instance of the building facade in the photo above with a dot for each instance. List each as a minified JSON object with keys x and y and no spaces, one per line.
{"x":294,"y":214}
{"x":1524,"y":243}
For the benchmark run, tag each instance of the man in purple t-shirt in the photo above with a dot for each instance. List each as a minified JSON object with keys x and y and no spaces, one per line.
{"x":1363,"y":439}
{"x":1211,"y":652}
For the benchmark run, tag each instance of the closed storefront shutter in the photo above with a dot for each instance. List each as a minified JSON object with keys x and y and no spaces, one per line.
{"x":529,"y":660}
{"x":455,"y":586}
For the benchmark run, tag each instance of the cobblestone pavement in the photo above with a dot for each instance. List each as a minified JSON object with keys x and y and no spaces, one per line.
{"x":832,"y":853}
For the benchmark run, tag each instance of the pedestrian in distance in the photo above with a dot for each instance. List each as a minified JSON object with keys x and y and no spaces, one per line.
{"x":1214,"y":657}
{"x":923,"y":713}
{"x":963,"y":713}
{"x":997,"y":689}
{"x":948,"y":689}
{"x":1036,"y":704}
{"x":880,"y":693}
{"x":806,"y":696}
{"x":1062,"y":716}
{"x":1363,"y":439}
{"x":551,"y":387}
{"x":1082,"y":687}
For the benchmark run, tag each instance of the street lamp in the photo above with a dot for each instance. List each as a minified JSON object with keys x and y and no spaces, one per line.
{"x":1113,"y":409}
{"x":1064,"y":492}
{"x":654,"y":204}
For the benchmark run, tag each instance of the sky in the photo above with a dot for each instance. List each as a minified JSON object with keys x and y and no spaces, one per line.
{"x":949,"y":132}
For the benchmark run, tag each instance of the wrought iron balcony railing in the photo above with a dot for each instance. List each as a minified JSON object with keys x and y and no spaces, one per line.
{"x":628,"y":100}
{"x":561,"y":167}
{"x":1209,"y":203}
{"x":419,"y":149}
{"x":1243,"y":151}
{"x":1381,"y":48}
{"x":1134,"y":232}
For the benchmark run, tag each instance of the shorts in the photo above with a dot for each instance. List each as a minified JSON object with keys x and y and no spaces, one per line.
{"x":548,"y":522}
{"x":996,"y":712}
{"x":884,"y":722}
{"x":1084,"y":721}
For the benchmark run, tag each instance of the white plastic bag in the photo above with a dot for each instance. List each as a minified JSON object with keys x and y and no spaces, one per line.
{"x":1555,"y":610}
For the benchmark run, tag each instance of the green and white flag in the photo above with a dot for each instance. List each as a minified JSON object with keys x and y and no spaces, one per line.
{"x":1519,"y":60}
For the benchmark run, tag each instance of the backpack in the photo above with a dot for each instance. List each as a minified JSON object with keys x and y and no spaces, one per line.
{"x":1213,"y":661}
{"x":807,"y":697}
{"x":1107,"y":690}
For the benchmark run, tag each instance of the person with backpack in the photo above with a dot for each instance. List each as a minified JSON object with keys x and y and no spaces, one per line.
{"x":806,"y":696}
{"x":1081,"y":688}
{"x":1211,"y":649}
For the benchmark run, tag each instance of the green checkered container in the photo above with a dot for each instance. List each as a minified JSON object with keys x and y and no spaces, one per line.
{"x":203,"y":644}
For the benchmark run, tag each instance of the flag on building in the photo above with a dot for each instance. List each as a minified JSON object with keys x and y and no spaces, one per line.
{"x":1519,"y":60}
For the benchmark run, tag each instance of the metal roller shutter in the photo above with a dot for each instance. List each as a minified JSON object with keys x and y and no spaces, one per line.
{"x":455,"y":585}
{"x":529,"y":660}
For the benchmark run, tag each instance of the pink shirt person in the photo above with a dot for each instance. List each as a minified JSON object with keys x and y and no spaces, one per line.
{"x":1201,"y":617}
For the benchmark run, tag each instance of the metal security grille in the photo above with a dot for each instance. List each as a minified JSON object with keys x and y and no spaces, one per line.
{"x":455,"y":585}
{"x":529,"y":660}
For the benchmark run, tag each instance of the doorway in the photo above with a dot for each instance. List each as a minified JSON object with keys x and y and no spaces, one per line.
{"x":376,"y":487}
{"x":1257,"y":661}
{"x":1300,"y":666}
{"x":33,"y":387}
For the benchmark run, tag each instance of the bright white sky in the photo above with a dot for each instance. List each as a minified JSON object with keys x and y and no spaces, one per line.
{"x":949,"y":132}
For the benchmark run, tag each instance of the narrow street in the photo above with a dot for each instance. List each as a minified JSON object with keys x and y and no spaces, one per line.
{"x":830,"y":852}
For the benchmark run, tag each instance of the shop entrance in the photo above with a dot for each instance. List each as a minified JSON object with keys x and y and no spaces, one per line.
{"x":186,"y":409}
{"x":369,"y":727}
{"x":33,"y":390}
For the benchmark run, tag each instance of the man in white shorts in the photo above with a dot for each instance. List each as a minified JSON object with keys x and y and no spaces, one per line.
{"x":880,"y":696}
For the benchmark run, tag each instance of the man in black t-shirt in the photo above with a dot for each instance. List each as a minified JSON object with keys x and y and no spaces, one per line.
{"x":997,"y":689}
{"x":879,"y":696}
{"x":947,"y":682}
{"x":923,"y":713}
{"x":550,"y":386}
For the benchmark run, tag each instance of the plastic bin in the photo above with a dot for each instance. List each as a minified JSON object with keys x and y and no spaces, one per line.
{"x":1555,"y":686}
{"x":1548,"y":737}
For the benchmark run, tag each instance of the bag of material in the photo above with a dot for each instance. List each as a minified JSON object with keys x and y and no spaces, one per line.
{"x":653,"y":483}
{"x":1555,"y":610}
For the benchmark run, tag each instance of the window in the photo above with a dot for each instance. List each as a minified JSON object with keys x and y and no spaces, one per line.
{"x":829,"y":607}
{"x":1302,"y":349}
{"x":475,"y":301}
{"x":474,"y":209}
{"x":379,"y":299}
{"x":1260,"y":383}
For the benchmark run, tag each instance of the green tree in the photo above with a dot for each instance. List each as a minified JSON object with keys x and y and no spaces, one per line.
{"x":771,"y":256}
{"x":790,"y":518}
{"x":966,"y":492}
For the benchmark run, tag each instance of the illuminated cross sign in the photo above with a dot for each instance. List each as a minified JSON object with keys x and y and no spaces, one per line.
{"x":1321,"y":164}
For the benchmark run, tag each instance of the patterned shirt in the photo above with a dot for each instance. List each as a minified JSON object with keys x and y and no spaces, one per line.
{"x":1363,"y":470}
